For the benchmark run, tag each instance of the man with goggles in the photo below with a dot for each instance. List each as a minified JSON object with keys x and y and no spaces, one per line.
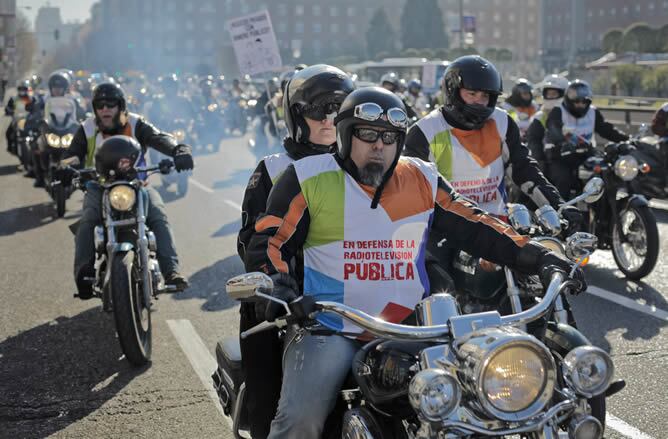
{"x":112,"y":118}
{"x":361,"y":217}
{"x":311,"y":100}
{"x":570,"y":136}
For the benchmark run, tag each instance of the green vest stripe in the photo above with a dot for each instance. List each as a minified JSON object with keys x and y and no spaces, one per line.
{"x":325,"y":198}
{"x":441,"y":147}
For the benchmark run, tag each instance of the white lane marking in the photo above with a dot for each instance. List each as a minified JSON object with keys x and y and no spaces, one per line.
{"x":233,"y":204}
{"x":201,"y":186}
{"x":200,"y":359}
{"x":650,"y":310}
{"x":622,"y":427}
{"x":659,"y":204}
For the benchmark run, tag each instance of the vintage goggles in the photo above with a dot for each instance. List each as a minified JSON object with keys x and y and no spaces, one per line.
{"x":370,"y":111}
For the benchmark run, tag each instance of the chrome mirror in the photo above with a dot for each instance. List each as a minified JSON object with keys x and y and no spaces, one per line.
{"x":247,"y":285}
{"x":594,"y":190}
{"x":520,"y":218}
{"x":580,"y":245}
{"x":643,"y":130}
{"x":548,"y":218}
{"x":436,"y":310}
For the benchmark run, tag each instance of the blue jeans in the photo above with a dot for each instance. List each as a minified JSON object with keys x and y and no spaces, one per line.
{"x":314,"y":369}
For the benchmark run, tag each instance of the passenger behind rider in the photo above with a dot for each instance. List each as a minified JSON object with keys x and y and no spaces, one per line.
{"x":112,"y":119}
{"x":660,"y":121}
{"x":312,"y":98}
{"x":334,"y":208}
{"x":570,"y":136}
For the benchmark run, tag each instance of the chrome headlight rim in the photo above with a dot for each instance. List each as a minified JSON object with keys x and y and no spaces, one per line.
{"x":53,"y":140}
{"x":577,"y":355}
{"x":499,"y":344}
{"x":429,"y":378}
{"x":626,"y":167}
{"x":552,"y":244}
{"x":122,"y":197}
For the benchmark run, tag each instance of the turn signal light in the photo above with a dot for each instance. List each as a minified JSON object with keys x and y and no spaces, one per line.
{"x":645,"y":168}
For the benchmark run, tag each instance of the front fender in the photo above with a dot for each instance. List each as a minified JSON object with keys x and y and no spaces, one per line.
{"x":563,"y":338}
{"x":634,"y":200}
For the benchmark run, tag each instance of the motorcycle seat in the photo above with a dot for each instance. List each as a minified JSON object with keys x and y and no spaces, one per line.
{"x":228,"y":355}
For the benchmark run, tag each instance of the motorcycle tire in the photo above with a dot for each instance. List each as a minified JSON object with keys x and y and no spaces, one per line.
{"x":60,"y":198}
{"x":645,"y":215}
{"x":133,"y":317}
{"x":597,"y":405}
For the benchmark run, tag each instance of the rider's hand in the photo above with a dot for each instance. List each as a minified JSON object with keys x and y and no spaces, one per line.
{"x":183,"y":159}
{"x":550,"y":262}
{"x":285,"y":289}
{"x":574,"y":217}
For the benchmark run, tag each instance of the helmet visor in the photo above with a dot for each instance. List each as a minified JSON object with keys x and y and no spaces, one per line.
{"x":580,"y":93}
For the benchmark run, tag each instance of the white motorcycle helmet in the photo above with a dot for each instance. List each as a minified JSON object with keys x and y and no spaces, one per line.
{"x":556,"y":83}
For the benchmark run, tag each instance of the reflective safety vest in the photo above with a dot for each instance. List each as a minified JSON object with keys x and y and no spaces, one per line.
{"x":472,"y":161}
{"x":369,"y":259}
{"x":276,"y":164}
{"x":581,"y":127}
{"x":20,"y":107}
{"x":94,"y":137}
{"x":522,"y":115}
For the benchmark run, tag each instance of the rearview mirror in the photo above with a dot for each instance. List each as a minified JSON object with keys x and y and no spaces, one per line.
{"x":580,"y":245}
{"x":594,"y":190}
{"x":246,"y":285}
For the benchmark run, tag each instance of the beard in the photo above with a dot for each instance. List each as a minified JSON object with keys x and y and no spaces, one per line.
{"x":372,"y":174}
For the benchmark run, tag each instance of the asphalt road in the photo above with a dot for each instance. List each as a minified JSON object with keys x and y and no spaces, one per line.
{"x":61,"y":369}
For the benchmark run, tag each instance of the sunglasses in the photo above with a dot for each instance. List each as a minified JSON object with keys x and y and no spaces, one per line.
{"x":371,"y":112}
{"x":370,"y":135}
{"x":98,"y":105}
{"x":321,"y":112}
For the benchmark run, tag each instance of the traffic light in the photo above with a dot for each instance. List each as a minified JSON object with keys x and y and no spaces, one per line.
{"x":56,"y":34}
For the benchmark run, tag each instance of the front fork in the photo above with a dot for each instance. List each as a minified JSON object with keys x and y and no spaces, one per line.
{"x":559,"y":312}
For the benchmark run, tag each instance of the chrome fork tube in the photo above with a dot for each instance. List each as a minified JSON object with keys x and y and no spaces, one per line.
{"x":142,"y":247}
{"x":513,"y":293}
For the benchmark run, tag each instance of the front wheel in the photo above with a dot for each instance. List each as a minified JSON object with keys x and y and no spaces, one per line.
{"x":132,"y":315}
{"x":60,"y":198}
{"x":635,"y":241}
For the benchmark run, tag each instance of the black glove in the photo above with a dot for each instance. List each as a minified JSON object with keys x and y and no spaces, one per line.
{"x":550,"y":262}
{"x":183,"y":159}
{"x":574,"y":217}
{"x":285,"y":289}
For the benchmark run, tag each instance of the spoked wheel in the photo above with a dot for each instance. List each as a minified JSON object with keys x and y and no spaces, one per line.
{"x":132,"y":315}
{"x":635,"y":242}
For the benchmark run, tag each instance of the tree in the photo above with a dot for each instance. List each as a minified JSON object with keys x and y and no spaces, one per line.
{"x":422,"y":25}
{"x":25,"y":45}
{"x":639,"y":37}
{"x":491,"y":53}
{"x":662,"y":38}
{"x":442,"y":53}
{"x":612,"y":40}
{"x":380,"y":36}
{"x":628,"y":77}
{"x":504,"y":55}
{"x":655,"y":81}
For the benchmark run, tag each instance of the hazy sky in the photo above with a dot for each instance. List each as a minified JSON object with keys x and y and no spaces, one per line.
{"x":69,"y":9}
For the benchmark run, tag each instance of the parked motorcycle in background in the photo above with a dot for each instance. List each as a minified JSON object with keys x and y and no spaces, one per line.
{"x":652,"y":151}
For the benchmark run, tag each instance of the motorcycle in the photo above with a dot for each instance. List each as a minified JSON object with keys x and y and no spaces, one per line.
{"x":127,"y":274}
{"x":237,"y":113}
{"x":622,"y":219}
{"x":452,"y":375}
{"x":180,"y":130}
{"x":210,"y":126}
{"x":653,"y":152}
{"x":58,"y":128}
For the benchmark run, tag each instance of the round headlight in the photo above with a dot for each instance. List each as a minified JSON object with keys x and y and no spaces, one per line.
{"x":179,"y":135}
{"x":53,"y":140}
{"x":122,"y":197}
{"x":212,"y":107}
{"x":434,"y":393}
{"x":514,"y":378}
{"x":626,"y":167}
{"x":21,"y":124}
{"x":551,"y":244}
{"x":66,"y":140}
{"x":588,"y":370}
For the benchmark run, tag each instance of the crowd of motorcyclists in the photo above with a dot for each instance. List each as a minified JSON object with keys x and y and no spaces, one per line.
{"x":345,"y":166}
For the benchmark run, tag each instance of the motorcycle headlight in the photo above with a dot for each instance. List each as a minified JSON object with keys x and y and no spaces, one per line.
{"x":21,"y":124}
{"x":626,"y":167}
{"x":434,"y":393}
{"x":511,"y":373}
{"x":122,"y":197}
{"x":243,"y":103}
{"x":66,"y":140}
{"x":551,"y":244}
{"x":53,"y":140}
{"x":588,"y":370}
{"x":212,"y":107}
{"x":180,"y":135}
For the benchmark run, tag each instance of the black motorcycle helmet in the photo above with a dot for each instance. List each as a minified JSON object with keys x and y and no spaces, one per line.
{"x":578,"y":91}
{"x":59,"y":80}
{"x":285,"y":78}
{"x":23,"y":88}
{"x":390,"y":81}
{"x":108,"y":91}
{"x":472,"y":72}
{"x":521,"y":86}
{"x":315,"y":86}
{"x":414,"y":86}
{"x":349,"y":116}
{"x":116,"y":157}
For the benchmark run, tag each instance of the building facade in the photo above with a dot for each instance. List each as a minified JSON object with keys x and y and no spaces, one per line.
{"x":7,"y":39}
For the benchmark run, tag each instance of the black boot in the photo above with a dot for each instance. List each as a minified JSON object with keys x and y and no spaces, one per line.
{"x":177,"y":280}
